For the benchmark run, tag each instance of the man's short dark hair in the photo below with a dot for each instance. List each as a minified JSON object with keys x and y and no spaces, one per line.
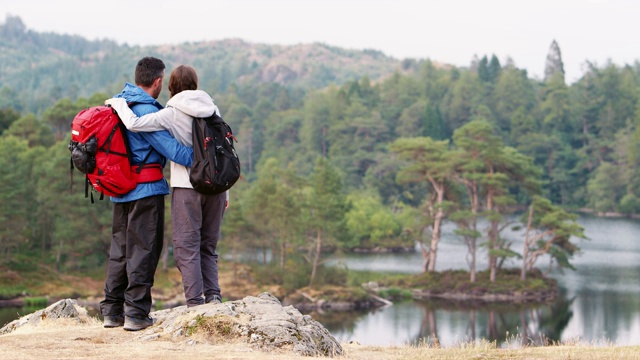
{"x":148,"y":70}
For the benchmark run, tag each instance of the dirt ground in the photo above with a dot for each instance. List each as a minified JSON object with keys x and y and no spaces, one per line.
{"x":60,"y":340}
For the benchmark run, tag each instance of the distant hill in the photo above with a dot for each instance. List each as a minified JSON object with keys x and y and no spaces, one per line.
{"x":37,"y":69}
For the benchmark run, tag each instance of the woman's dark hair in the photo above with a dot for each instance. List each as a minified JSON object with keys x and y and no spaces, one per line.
{"x":148,"y":70}
{"x":182,"y":78}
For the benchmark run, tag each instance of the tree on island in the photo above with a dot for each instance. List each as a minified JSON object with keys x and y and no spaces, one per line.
{"x":427,"y":161}
{"x":549,"y":231}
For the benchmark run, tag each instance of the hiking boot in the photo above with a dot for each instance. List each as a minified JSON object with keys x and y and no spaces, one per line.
{"x":136,"y":324}
{"x":111,"y":321}
{"x":216,"y":299}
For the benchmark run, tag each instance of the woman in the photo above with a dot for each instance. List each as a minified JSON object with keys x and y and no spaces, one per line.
{"x":195,"y":218}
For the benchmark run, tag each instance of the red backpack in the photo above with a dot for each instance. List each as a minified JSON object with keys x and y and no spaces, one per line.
{"x":100,"y":149}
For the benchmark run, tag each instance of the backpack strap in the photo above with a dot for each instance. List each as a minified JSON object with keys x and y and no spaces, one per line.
{"x":71,"y":175}
{"x":143,"y":173}
{"x":86,"y":189}
{"x":147,"y":173}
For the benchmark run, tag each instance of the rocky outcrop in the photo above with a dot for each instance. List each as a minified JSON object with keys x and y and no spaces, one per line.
{"x":259,"y":321}
{"x":63,"y":309}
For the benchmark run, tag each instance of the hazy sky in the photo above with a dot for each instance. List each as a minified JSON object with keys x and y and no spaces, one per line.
{"x":449,"y":31}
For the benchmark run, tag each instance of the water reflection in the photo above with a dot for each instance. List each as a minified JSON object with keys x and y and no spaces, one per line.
{"x":606,"y":316}
{"x":8,"y":314}
{"x":446,"y":324}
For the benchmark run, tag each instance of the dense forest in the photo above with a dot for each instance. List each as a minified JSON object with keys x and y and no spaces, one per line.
{"x":341,"y":150}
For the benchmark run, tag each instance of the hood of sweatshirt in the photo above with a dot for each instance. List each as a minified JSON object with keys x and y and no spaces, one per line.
{"x":196,"y":103}
{"x":134,"y":94}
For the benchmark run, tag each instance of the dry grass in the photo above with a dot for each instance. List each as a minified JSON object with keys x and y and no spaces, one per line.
{"x":72,"y":341}
{"x":486,"y":350}
{"x":216,"y":329}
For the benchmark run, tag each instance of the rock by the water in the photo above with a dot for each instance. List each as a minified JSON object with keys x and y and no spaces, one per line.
{"x":261,"y":321}
{"x":63,"y":309}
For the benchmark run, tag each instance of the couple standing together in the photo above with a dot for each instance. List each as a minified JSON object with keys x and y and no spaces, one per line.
{"x":155,"y":135}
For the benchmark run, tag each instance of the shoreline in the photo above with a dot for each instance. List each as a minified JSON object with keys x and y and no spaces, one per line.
{"x":608,"y":214}
{"x":15,"y":302}
{"x":513,"y":298}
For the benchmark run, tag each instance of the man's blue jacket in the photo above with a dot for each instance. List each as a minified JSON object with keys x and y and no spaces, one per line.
{"x":160,"y":143}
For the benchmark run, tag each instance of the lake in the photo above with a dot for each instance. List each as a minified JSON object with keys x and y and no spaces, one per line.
{"x":600,"y":301}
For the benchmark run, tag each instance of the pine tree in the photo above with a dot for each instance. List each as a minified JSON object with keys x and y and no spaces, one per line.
{"x":549,"y":232}
{"x":7,"y":117}
{"x":327,"y":208}
{"x":494,"y":68}
{"x":554,"y":62}
{"x":429,"y":163}
{"x":483,"y":69}
{"x":14,"y":190}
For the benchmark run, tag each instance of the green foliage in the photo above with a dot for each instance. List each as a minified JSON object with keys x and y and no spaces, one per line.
{"x":551,"y":232}
{"x":36,"y":301}
{"x":78,"y":231}
{"x":327,"y":202}
{"x":297,"y":275}
{"x":369,"y":222}
{"x":360,"y":277}
{"x":29,"y":127}
{"x":505,"y":253}
{"x":513,"y":99}
{"x":603,"y":197}
{"x":413,"y":119}
{"x":327,"y":209}
{"x":630,"y":204}
{"x":217,"y":326}
{"x":395,"y":294}
{"x":60,"y":115}
{"x":433,"y":124}
{"x":462,"y":101}
{"x":452,"y":281}
{"x":554,"y":65}
{"x":356,"y":139}
{"x":7,"y":117}
{"x":16,"y":191}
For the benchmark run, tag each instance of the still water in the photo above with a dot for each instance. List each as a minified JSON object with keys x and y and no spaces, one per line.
{"x":600,"y":302}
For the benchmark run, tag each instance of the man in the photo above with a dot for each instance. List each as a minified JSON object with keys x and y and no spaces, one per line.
{"x":138,"y":216}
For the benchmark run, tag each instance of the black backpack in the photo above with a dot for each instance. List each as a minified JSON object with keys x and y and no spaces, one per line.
{"x":215,"y":167}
